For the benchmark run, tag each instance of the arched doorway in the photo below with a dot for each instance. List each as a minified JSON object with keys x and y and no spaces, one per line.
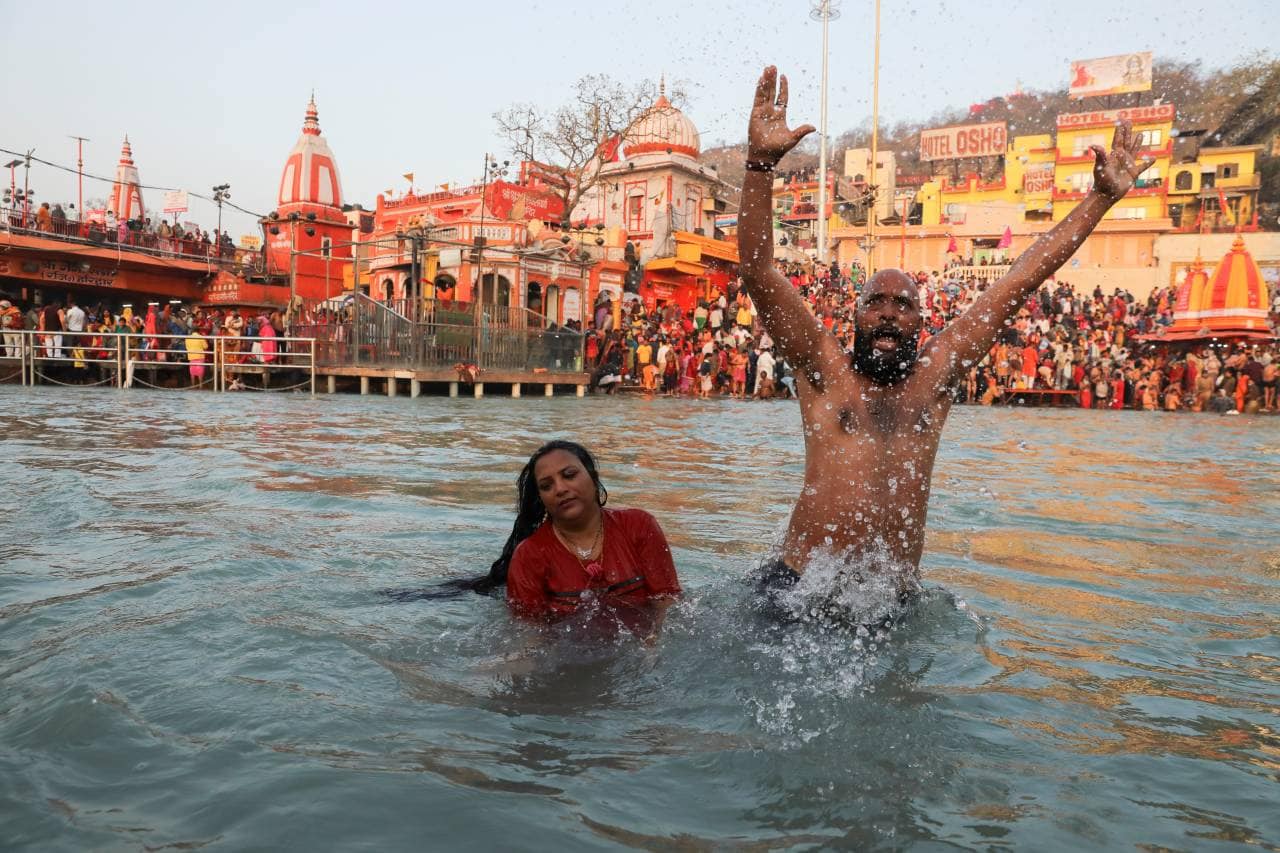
{"x":388,"y":288}
{"x":533,"y":299}
{"x":552,"y":301}
{"x":495,"y":290}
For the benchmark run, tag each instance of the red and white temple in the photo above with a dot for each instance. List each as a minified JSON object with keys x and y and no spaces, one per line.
{"x":308,"y":236}
{"x":126,"y":192}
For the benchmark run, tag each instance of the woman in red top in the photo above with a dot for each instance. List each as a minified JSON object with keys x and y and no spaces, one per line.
{"x":566,"y":548}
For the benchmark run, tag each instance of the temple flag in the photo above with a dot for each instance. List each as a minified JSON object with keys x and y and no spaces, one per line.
{"x":952,"y":248}
{"x":1226,"y":210}
{"x":1006,"y":240}
{"x":408,"y":176}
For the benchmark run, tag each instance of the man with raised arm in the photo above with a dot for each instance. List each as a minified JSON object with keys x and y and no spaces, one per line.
{"x":872,"y":422}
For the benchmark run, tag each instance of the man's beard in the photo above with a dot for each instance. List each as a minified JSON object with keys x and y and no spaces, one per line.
{"x":884,"y":368}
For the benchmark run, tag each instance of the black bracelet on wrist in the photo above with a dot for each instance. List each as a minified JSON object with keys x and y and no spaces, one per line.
{"x":759,"y":166}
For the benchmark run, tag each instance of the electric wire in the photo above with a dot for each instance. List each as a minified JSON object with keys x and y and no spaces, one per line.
{"x":94,"y":177}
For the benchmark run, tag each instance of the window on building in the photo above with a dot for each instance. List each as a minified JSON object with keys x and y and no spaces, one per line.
{"x":1128,"y":213}
{"x":1149,"y":178}
{"x":325,"y":244}
{"x":1150,"y":138}
{"x":1183,"y":181}
{"x":1081,"y":182}
{"x":785,"y":203}
{"x":1226,"y":171}
{"x":1080,"y":145}
{"x":635,"y":213}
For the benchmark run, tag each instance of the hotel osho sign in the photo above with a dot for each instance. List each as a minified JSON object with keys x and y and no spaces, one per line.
{"x":967,"y":140}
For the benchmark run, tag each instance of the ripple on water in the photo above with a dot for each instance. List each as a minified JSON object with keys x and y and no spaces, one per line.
{"x":194,"y":650}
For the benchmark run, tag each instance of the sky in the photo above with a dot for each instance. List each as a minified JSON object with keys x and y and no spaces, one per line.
{"x":215,"y":93}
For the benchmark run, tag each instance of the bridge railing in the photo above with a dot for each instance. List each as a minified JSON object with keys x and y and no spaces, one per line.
{"x":117,"y":358}
{"x":96,"y":234}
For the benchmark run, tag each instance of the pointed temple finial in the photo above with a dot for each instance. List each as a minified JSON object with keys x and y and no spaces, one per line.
{"x":311,"y":124}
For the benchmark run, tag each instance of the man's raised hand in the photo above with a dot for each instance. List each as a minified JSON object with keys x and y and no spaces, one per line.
{"x":768,"y":138}
{"x":1114,"y":173}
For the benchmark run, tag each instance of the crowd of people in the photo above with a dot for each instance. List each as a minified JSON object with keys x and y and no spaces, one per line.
{"x":158,"y":235}
{"x":78,"y":338}
{"x":1085,"y":347}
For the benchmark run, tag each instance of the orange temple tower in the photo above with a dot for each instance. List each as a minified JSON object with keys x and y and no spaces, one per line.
{"x":126,"y":192}
{"x":308,"y":236}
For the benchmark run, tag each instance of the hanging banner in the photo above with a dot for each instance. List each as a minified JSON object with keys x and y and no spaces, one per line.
{"x":571,"y":305}
{"x":967,"y":140}
{"x":175,"y":201}
{"x":1111,"y":75}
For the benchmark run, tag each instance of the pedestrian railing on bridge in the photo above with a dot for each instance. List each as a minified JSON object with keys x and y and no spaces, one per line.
{"x":359,"y":331}
{"x":18,"y":221}
{"x":172,"y":362}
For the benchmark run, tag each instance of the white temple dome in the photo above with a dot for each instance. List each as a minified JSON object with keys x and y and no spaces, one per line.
{"x":662,"y":129}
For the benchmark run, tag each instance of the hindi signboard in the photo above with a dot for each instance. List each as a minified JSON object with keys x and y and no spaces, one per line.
{"x":175,"y":201}
{"x":1111,"y":75}
{"x":967,"y":140}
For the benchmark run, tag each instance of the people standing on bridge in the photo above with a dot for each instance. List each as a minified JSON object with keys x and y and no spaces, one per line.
{"x":872,"y":422}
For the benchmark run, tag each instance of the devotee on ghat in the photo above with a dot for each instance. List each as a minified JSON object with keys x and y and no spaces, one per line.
{"x":872,"y":425}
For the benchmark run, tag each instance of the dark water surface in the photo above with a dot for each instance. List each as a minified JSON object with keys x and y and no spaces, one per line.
{"x":194,"y":650}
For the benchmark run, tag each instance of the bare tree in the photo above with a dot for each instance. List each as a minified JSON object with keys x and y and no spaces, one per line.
{"x":575,"y":139}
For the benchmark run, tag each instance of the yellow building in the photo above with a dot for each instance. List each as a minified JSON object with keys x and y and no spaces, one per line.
{"x":1026,"y":182}
{"x":1199,"y":186}
{"x":1073,"y":167}
{"x":1043,"y":179}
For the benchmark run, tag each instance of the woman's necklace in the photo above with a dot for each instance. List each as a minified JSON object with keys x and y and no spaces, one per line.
{"x":583,"y":554}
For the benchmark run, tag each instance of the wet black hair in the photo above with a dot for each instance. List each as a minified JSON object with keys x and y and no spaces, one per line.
{"x":530,"y":513}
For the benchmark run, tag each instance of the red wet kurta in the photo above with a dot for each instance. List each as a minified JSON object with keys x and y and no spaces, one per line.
{"x":545,"y":579}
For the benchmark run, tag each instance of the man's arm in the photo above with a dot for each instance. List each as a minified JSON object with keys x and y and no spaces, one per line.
{"x":799,"y":335}
{"x":954,"y":349}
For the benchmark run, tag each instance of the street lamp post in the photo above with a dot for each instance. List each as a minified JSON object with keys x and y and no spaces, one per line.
{"x":493,"y":170}
{"x":12,"y":196}
{"x":220,"y":194}
{"x":873,"y":188}
{"x":824,"y":11}
{"x":80,"y":141}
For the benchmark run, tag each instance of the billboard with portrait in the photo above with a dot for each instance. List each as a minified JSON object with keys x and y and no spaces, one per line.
{"x":1111,"y":75}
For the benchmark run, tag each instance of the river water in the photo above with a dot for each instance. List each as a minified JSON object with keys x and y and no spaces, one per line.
{"x":197,"y":651}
